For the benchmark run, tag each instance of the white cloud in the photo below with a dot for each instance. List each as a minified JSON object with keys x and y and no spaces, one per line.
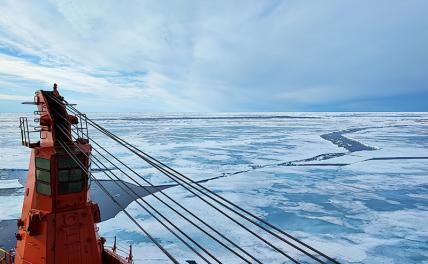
{"x":205,"y":56}
{"x":69,"y":78}
{"x":15,"y":97}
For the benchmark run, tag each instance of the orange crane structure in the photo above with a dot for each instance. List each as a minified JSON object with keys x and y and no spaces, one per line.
{"x":58,"y":219}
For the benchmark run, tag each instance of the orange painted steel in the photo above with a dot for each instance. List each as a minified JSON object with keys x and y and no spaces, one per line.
{"x":58,"y":219}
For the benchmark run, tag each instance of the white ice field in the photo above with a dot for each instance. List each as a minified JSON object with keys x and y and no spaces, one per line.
{"x":353,"y":185}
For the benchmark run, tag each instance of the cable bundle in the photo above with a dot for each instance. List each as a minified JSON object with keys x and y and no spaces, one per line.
{"x":210,"y":198}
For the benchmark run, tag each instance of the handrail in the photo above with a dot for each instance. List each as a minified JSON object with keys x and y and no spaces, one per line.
{"x":6,"y":257}
{"x":119,"y":246}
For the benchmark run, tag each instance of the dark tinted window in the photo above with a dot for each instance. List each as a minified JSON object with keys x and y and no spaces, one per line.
{"x":43,"y":176}
{"x":71,"y":177}
{"x":42,"y":163}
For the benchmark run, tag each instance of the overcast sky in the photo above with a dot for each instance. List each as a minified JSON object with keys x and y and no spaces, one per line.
{"x":217,"y":55}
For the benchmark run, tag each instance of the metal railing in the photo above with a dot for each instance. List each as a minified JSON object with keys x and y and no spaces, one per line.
{"x":25,"y":133}
{"x":82,"y":126}
{"x":6,"y":257}
{"x":122,"y":250}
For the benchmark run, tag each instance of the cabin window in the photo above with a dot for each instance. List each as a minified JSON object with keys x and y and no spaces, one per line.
{"x":43,"y":176}
{"x":70,"y":176}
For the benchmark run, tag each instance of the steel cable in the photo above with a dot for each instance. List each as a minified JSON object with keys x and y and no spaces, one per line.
{"x":145,"y":188}
{"x":152,"y":161}
{"x":124,"y":210}
{"x":174,"y":201}
{"x":177,"y":179}
{"x":151,"y":207}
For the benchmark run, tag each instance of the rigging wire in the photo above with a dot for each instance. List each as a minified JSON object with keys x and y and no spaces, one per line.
{"x":123,"y":209}
{"x":243,"y":210}
{"x":223,"y":213}
{"x":145,"y":188}
{"x":177,"y":179}
{"x":157,"y":164}
{"x":142,"y":206}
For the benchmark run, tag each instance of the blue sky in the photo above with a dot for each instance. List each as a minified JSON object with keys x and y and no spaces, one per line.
{"x":212,"y":56}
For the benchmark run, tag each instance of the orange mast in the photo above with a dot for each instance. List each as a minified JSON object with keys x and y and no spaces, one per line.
{"x":57,"y":223}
